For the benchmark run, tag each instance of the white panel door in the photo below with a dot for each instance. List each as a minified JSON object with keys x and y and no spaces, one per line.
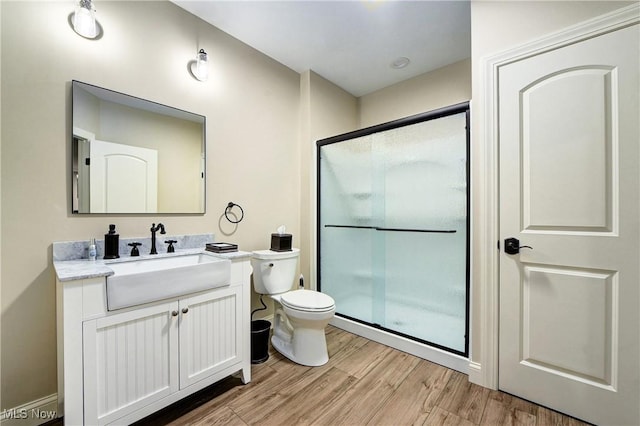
{"x":210,"y":334}
{"x":123,"y":178}
{"x":130,"y":361}
{"x":569,"y":174}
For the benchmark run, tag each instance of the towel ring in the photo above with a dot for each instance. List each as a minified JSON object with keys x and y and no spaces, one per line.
{"x":228,"y":210}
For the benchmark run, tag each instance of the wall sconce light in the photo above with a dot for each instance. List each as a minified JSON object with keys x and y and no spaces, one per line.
{"x":200,"y":66}
{"x":83,"y":20}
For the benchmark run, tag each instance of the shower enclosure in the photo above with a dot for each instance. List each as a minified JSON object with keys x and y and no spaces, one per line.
{"x":393,"y":227}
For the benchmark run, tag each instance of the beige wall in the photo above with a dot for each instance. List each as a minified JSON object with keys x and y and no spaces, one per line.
{"x":251,"y":104}
{"x":442,"y":87}
{"x":495,"y":27}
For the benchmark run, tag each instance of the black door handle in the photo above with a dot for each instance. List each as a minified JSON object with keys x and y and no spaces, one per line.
{"x":512,"y":246}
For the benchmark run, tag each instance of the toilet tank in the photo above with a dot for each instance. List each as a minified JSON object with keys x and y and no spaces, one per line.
{"x":274,"y":272}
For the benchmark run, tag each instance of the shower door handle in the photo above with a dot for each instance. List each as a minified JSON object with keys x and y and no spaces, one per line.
{"x":512,"y":246}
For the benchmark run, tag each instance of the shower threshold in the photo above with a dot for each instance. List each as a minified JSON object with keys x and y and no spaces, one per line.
{"x":410,"y":346}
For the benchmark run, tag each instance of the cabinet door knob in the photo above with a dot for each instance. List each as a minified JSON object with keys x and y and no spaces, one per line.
{"x":185,"y":310}
{"x":174,"y":313}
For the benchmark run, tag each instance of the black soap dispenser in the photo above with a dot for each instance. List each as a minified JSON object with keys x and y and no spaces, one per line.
{"x":111,"y":242}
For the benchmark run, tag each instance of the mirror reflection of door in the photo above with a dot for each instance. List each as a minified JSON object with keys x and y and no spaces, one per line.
{"x":123,"y":178}
{"x":81,"y":153}
{"x":81,"y":175}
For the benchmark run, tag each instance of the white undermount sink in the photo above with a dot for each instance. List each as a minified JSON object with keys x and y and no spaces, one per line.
{"x":145,"y":280}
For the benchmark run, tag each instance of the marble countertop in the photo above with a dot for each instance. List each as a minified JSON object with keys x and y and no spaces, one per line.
{"x":77,"y":269}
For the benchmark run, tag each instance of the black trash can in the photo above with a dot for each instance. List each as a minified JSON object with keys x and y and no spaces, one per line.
{"x":260,"y":341}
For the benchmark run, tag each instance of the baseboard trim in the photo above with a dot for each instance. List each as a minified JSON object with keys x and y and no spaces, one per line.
{"x":32,"y":413}
{"x":475,"y":373}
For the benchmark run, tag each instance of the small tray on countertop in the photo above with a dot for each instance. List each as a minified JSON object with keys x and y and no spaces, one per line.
{"x":221,"y":247}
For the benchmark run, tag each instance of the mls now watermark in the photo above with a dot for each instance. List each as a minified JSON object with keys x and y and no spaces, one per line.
{"x":24,"y":413}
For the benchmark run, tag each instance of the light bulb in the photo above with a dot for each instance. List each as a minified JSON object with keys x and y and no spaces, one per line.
{"x":84,"y":20}
{"x":202,"y":66}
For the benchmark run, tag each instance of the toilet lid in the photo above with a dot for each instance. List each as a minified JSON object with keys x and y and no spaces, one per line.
{"x":307,"y":300}
{"x":275,"y":255}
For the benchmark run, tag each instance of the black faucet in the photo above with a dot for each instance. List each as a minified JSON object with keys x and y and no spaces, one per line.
{"x":154,"y":228}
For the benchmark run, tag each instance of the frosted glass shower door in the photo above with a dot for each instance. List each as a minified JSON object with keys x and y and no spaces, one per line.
{"x":423,"y":222}
{"x":347,"y":233}
{"x":393,"y":228}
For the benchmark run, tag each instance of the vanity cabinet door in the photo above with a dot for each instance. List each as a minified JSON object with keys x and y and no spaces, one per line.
{"x":210,"y":334}
{"x":130,"y":360}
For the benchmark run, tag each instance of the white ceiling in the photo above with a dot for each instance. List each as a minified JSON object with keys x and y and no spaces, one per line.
{"x":350,"y":43}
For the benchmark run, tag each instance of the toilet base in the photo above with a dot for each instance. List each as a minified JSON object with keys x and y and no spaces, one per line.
{"x":306,"y":347}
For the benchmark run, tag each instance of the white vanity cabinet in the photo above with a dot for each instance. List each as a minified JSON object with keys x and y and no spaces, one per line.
{"x":120,"y":366}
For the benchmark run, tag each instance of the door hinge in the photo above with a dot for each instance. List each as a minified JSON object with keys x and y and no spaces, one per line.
{"x":87,"y":161}
{"x":498,"y":245}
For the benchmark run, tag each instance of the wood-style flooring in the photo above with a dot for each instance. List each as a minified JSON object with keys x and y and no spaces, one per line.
{"x":364,"y":383}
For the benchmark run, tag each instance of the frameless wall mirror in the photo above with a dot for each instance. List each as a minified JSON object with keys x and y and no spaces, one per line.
{"x":132,"y":155}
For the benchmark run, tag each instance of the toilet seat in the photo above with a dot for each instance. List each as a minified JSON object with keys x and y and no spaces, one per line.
{"x":307,"y":300}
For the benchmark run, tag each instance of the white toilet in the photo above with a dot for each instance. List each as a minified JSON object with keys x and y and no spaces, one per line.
{"x":300,"y":315}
